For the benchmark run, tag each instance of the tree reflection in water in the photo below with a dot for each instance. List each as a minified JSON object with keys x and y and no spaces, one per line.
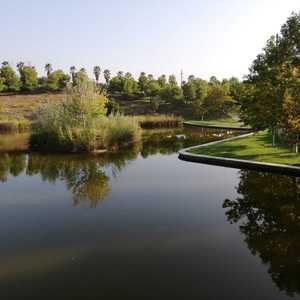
{"x":268,"y":211}
{"x":85,"y":176}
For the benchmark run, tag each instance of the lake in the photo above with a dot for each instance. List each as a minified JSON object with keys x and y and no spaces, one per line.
{"x":142,"y":224}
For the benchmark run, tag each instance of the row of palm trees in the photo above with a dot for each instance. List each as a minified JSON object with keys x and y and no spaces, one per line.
{"x":96,"y":71}
{"x":48,"y":69}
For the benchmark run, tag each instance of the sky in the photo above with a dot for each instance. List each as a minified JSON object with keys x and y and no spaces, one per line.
{"x":200,"y":37}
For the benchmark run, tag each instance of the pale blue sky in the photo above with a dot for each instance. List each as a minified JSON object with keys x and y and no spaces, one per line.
{"x":204,"y":38}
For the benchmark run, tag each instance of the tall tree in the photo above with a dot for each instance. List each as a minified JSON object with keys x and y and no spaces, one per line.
{"x":107,"y":76}
{"x":9,"y":77}
{"x":162,"y":80}
{"x":272,"y":76}
{"x":73,"y":73}
{"x":48,"y":69}
{"x":97,"y":72}
{"x":142,"y":82}
{"x":172,"y":80}
{"x":29,"y":78}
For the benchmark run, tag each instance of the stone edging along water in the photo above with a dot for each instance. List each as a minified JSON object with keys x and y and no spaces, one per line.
{"x":217,"y":126}
{"x":236,"y":163}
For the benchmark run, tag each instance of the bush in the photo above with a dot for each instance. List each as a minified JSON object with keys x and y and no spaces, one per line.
{"x":122,"y":131}
{"x":158,"y":121}
{"x":79,"y":124}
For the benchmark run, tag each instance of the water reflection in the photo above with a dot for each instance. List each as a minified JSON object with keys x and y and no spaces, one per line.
{"x":268,"y":211}
{"x":87,"y":177}
{"x":166,"y":141}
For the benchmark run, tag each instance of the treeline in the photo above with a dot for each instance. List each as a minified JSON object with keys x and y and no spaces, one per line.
{"x":26,"y":79}
{"x":207,"y":98}
{"x":270,"y":95}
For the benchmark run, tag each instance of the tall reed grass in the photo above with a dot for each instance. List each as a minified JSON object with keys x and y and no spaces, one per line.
{"x":158,"y":121}
{"x":79,"y":124}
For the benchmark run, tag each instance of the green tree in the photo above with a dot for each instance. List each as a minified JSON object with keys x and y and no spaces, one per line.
{"x":172,"y":80}
{"x":171,"y":93}
{"x":270,"y":101}
{"x":29,"y":78}
{"x":9,"y":77}
{"x":152,"y":88}
{"x":129,"y":86}
{"x":143,"y":82}
{"x":116,"y":84}
{"x":162,"y":80}
{"x":56,"y":81}
{"x":189,"y":91}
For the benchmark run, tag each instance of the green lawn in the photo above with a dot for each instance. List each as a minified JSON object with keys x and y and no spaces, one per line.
{"x":257,"y":147}
{"x":218,"y":122}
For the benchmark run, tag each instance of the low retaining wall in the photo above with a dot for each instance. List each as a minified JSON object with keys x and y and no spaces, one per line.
{"x":217,"y":126}
{"x":236,"y":163}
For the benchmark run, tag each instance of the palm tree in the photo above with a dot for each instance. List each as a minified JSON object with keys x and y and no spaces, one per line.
{"x":150,"y":77}
{"x":20,"y":66}
{"x":73,"y":72}
{"x":5,"y":63}
{"x":97,"y":72}
{"x":48,"y":68}
{"x":106,"y":76}
{"x":120,"y":74}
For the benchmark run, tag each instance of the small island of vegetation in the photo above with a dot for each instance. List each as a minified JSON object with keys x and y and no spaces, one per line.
{"x":79,"y":123}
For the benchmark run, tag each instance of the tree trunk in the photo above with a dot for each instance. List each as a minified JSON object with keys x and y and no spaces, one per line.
{"x":296,"y":148}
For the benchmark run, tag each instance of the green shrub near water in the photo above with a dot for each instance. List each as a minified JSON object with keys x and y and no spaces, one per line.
{"x":121,"y":131}
{"x":79,"y":123}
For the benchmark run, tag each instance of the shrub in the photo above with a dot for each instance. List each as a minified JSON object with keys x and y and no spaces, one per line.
{"x":158,"y":121}
{"x":78,"y":123}
{"x":121,"y":131}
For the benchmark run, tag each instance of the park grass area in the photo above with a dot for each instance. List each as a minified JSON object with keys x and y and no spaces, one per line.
{"x":158,"y":121}
{"x":225,"y":122}
{"x":257,"y":147}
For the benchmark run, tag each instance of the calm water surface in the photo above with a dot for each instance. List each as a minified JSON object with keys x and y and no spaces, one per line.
{"x":144,"y":225}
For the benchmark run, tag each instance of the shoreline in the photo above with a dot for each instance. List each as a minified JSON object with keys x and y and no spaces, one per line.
{"x":283,"y":169}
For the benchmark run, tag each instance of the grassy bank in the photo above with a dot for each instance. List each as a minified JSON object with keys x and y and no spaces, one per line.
{"x":226,"y":122}
{"x":257,"y":147}
{"x":158,"y":121}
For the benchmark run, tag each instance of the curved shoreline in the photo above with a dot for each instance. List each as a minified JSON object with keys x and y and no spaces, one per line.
{"x":217,"y":126}
{"x":236,"y":163}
